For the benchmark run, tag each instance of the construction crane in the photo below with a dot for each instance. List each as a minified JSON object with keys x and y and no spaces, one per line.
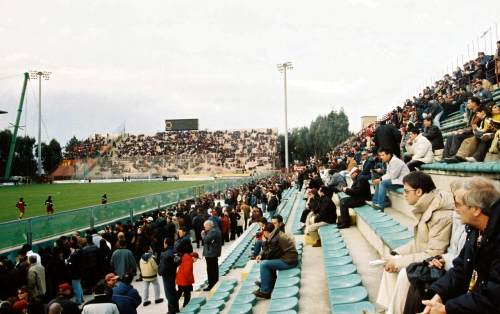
{"x":13,"y":140}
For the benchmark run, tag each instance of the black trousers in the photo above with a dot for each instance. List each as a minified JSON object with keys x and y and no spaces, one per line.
{"x":212,"y":270}
{"x":482,"y":150}
{"x":453,"y":144}
{"x":414,"y":164}
{"x":345,"y":204}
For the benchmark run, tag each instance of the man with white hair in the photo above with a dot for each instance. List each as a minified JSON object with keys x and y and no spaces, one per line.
{"x":472,"y":285}
{"x":212,"y":242}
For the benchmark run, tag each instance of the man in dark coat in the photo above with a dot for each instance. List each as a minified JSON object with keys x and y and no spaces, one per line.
{"x":359,"y":193}
{"x":273,"y":203}
{"x":473,"y":284}
{"x":183,"y":244}
{"x":212,"y":242}
{"x":126,"y":297}
{"x":433,"y":134}
{"x":387,"y":136}
{"x":168,"y":270}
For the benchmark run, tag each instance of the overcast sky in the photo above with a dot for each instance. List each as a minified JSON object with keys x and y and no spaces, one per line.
{"x":140,"y":62}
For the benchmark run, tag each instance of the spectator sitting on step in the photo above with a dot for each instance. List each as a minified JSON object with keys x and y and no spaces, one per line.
{"x":396,"y":170}
{"x":359,"y":193}
{"x":472,"y":285}
{"x":259,"y":238}
{"x":454,"y":141}
{"x":278,"y":253}
{"x":419,"y":149}
{"x":418,"y":292}
{"x":434,"y":135}
{"x":433,"y":210}
{"x":324,"y":214}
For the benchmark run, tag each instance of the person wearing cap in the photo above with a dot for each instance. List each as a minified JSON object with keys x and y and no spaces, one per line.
{"x":185,"y":276}
{"x":64,"y":295}
{"x":101,"y":303}
{"x":149,"y":271}
{"x":111,"y":279}
{"x":125,"y":296}
{"x":359,"y":193}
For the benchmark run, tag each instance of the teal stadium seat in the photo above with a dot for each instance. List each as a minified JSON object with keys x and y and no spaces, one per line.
{"x":334,"y":271}
{"x":347,"y":295}
{"x":284,"y":293}
{"x":338,"y":261}
{"x":354,"y":308}
{"x":241,"y":309}
{"x":344,"y":281}
{"x":287,"y":282}
{"x":281,"y":305}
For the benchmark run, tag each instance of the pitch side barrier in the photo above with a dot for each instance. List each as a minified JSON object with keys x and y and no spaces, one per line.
{"x":42,"y":228}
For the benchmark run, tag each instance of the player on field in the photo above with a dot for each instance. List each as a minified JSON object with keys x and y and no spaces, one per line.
{"x":21,"y":206}
{"x":49,"y":206}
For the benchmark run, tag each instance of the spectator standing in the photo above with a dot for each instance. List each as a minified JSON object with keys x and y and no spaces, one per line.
{"x":183,"y":244}
{"x":185,"y":276}
{"x":122,"y":260}
{"x":149,"y":271}
{"x":101,"y":303}
{"x":21,"y":206}
{"x":90,"y":257}
{"x":198,"y":221}
{"x":75,"y":267}
{"x":125,"y":296}
{"x":36,"y":278}
{"x":168,"y":270}
{"x":387,"y":136}
{"x":63,"y":298}
{"x":212,"y":241}
{"x":225,"y":227}
{"x":272,"y":203}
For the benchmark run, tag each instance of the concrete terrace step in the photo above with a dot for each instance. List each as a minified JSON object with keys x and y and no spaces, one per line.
{"x":343,"y":289}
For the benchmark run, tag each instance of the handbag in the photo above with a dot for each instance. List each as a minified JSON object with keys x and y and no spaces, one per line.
{"x":421,"y":275}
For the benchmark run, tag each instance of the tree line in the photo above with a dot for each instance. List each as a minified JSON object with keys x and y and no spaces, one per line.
{"x":323,"y":134}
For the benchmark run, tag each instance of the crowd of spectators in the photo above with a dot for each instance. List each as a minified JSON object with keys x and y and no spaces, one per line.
{"x":193,"y":152}
{"x":105,"y":262}
{"x":91,"y":147}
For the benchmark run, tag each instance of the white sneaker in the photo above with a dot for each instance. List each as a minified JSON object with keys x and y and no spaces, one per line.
{"x":470,"y":159}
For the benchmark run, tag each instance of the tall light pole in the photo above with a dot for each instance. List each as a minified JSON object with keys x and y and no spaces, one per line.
{"x":38,"y":75}
{"x":283,"y":67}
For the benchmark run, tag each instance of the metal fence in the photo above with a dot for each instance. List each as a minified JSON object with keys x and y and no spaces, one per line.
{"x":16,"y":233}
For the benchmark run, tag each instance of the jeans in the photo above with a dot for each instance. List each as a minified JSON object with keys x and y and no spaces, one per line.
{"x":257,"y":247}
{"x":171,"y":295}
{"x":156,"y":288}
{"x":77,"y":290}
{"x":380,"y":191}
{"x":268,"y":270}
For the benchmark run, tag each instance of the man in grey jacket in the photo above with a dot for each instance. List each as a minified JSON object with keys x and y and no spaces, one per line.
{"x":36,"y":278}
{"x":212,"y":241}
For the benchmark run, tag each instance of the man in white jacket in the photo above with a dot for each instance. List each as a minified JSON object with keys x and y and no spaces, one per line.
{"x":420,"y":149}
{"x":393,"y":177}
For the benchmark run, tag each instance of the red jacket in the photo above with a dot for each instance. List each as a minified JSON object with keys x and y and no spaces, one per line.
{"x":226,"y":224}
{"x":185,"y":275}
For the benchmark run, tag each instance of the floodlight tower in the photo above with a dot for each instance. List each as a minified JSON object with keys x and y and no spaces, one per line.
{"x":283,"y":67}
{"x":38,"y":75}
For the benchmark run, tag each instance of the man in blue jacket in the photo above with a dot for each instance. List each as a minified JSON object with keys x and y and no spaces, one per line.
{"x":126,"y":297}
{"x":473,"y":284}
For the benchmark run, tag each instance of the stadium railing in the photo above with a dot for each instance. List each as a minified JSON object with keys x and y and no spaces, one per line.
{"x":16,"y":233}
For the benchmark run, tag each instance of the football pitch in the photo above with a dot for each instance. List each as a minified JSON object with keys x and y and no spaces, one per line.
{"x":72,"y":196}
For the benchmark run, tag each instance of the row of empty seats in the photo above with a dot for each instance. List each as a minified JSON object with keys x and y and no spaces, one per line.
{"x":345,"y":289}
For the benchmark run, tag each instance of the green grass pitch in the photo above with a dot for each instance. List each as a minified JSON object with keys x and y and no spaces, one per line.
{"x":72,"y":196}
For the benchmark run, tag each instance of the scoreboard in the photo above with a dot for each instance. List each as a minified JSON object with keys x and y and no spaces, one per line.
{"x":181,"y":125}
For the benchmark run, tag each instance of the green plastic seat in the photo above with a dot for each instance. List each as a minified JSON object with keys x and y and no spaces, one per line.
{"x":392,"y":229}
{"x":280,"y":305}
{"x":379,"y":219}
{"x":342,"y":270}
{"x":287,"y":282}
{"x":338,"y":261}
{"x":384,"y":224}
{"x":215,"y":304}
{"x":354,"y":308}
{"x":220,"y":295}
{"x":292,"y":272}
{"x":241,"y":308}
{"x":397,"y":235}
{"x":394,"y":244}
{"x":283,"y":293}
{"x":336,"y":253}
{"x":348,"y":295}
{"x":209,"y":311}
{"x":232,"y":282}
{"x":330,"y":241}
{"x":333,"y":247}
{"x":198,"y":300}
{"x":191,"y":308}
{"x":345,"y":281}
{"x":244,"y":298}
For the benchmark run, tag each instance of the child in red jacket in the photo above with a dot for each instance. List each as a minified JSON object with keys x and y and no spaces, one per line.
{"x":185,"y":276}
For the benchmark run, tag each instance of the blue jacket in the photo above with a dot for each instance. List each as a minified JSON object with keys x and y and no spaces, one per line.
{"x":127,"y":298}
{"x":168,"y":267}
{"x":485,"y":259}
